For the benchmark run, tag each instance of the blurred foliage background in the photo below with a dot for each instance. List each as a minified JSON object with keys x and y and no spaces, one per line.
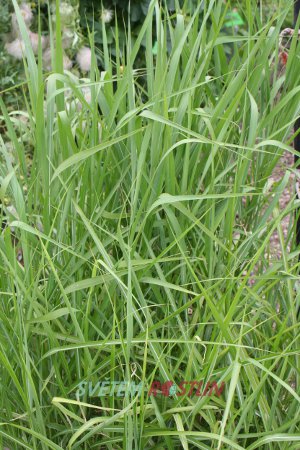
{"x":78,"y":19}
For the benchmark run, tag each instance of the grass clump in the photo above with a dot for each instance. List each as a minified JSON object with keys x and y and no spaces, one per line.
{"x":141,"y":204}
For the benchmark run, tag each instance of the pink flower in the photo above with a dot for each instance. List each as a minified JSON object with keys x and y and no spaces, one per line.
{"x":67,"y":63}
{"x":86,"y":91}
{"x":84,"y":59}
{"x":47,"y":62}
{"x":15,"y":48}
{"x":34,"y":39}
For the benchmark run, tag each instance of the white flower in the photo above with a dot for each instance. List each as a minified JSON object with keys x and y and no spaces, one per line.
{"x":86,"y":90}
{"x":67,"y":13}
{"x":15,"y":48}
{"x":67,"y":38}
{"x":84,"y":59}
{"x":26,"y":13}
{"x":107,"y":15}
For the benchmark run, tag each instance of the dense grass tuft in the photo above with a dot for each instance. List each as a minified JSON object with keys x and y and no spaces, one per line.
{"x":139,"y":205}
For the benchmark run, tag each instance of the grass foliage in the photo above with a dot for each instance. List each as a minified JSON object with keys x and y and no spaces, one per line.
{"x":144,"y":216}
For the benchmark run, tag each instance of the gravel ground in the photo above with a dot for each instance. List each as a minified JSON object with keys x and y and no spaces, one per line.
{"x":286,"y":161}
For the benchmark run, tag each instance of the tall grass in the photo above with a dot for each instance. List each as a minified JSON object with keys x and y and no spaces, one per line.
{"x":144,"y":218}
